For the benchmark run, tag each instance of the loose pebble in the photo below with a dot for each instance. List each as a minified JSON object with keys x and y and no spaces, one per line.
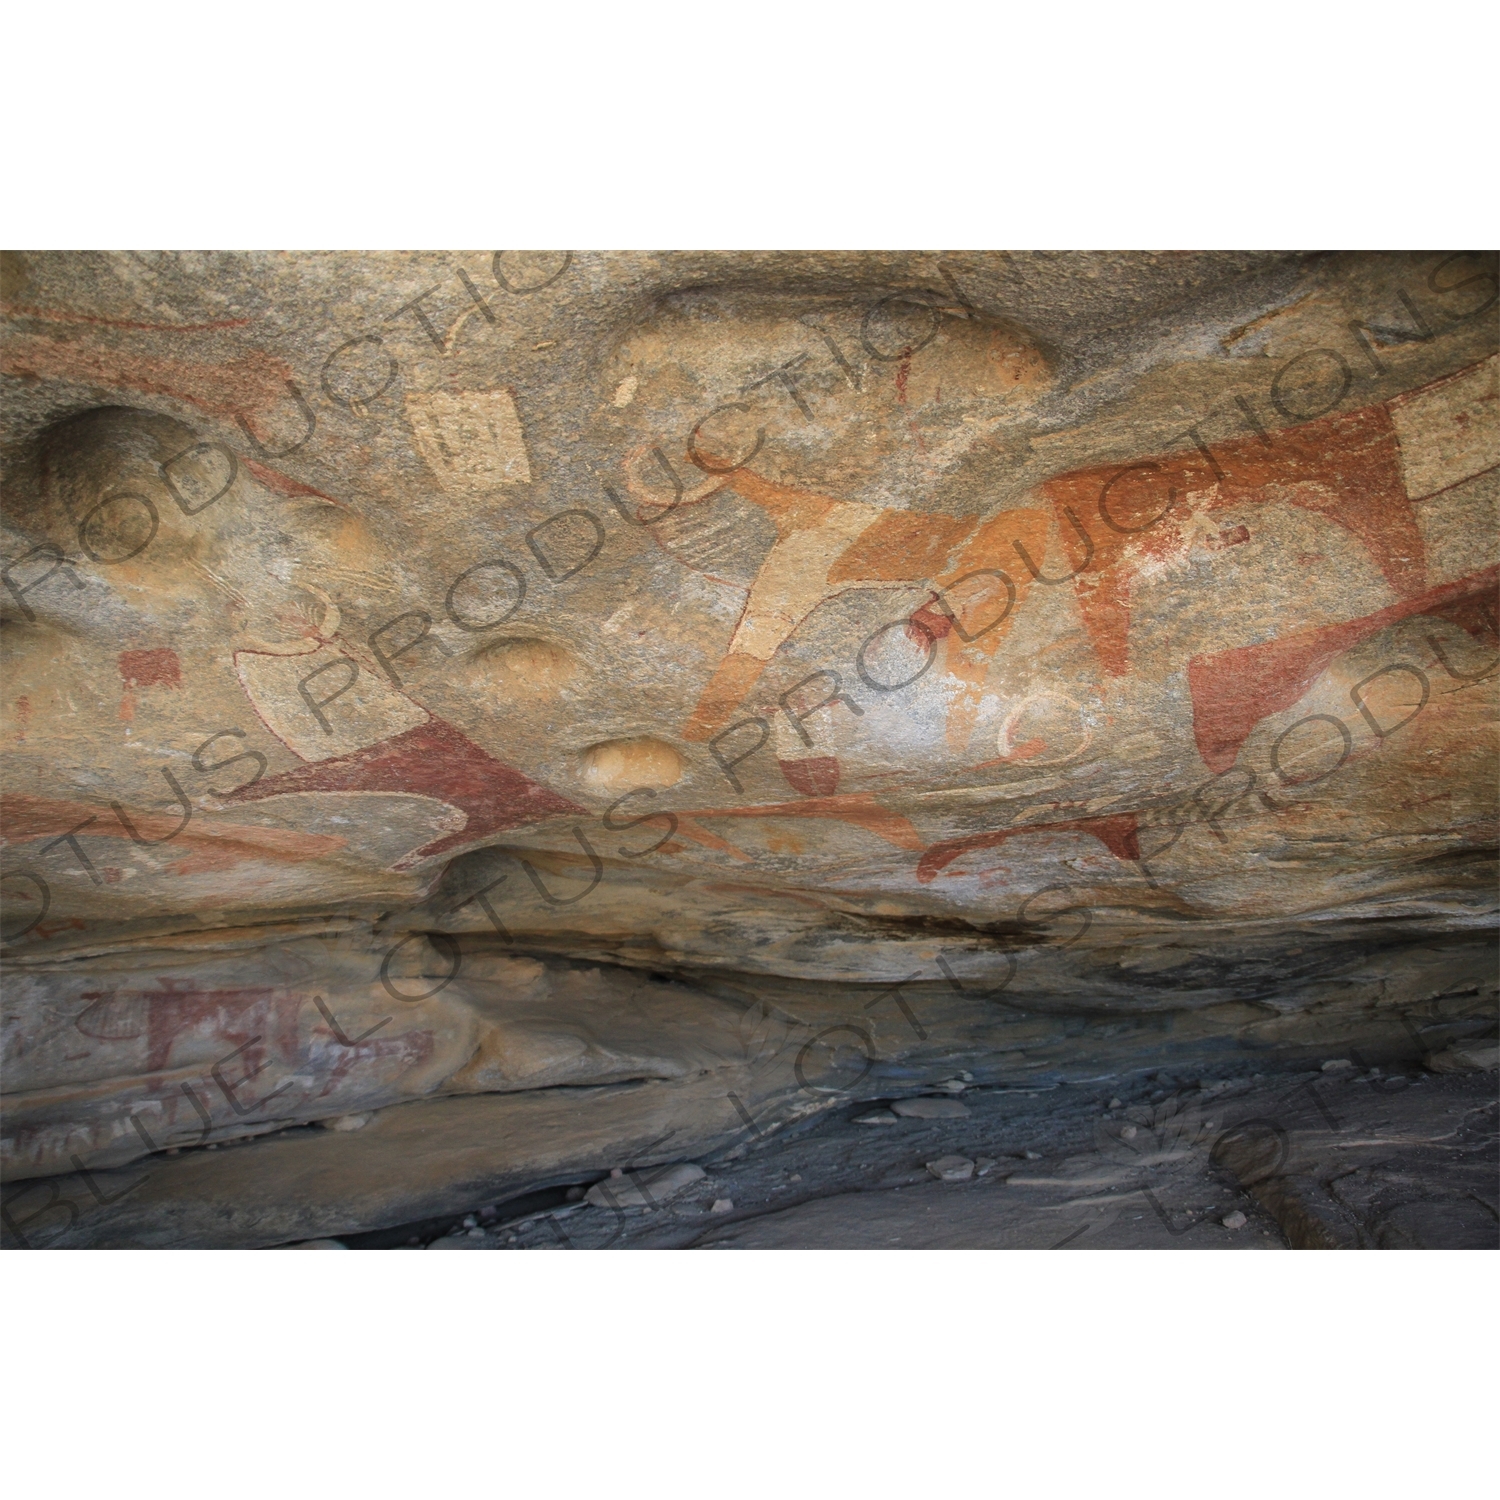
{"x":470,"y":1221}
{"x":876,"y":1117}
{"x":1463,"y":1057}
{"x":795,"y":1177}
{"x":1032,"y":1155}
{"x":1337,"y":1065}
{"x":348,"y":1122}
{"x":953,"y":1085}
{"x":722,"y":1206}
{"x":931,"y":1109}
{"x":476,"y":1234}
{"x":1129,"y":1133}
{"x":645,"y":1188}
{"x":1236,"y":1220}
{"x":1116,"y":1103}
{"x":984,"y":1165}
{"x":951,"y":1168}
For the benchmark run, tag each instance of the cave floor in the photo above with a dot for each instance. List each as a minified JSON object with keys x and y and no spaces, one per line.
{"x":1334,"y":1159}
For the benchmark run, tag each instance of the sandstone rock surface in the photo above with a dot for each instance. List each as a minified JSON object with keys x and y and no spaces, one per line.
{"x":573,"y":709}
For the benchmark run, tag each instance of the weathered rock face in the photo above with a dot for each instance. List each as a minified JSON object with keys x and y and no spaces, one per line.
{"x":595,"y":709}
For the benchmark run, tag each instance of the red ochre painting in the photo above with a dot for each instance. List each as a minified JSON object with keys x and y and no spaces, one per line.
{"x":837,"y":608}
{"x":432,"y":760}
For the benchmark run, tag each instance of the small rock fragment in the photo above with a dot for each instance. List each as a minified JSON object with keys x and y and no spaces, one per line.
{"x":983,"y":1165}
{"x":951,"y":1168}
{"x":930,"y":1109}
{"x":470,"y":1221}
{"x":645,"y":1188}
{"x":953,"y":1085}
{"x":1116,"y":1104}
{"x":1129,"y":1133}
{"x":795,"y":1177}
{"x":1465,"y":1057}
{"x":476,"y":1234}
{"x":722,"y":1206}
{"x":876,"y":1117}
{"x":348,"y":1122}
{"x":1032,"y":1155}
{"x":1236,"y":1220}
{"x":1337,"y":1065}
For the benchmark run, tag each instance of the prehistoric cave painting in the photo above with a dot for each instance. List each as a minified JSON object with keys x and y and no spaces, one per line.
{"x":202,"y":845}
{"x":825,"y":547}
{"x":802,"y":754}
{"x":1363,"y":471}
{"x":292,"y":688}
{"x":843,"y":410}
{"x":361,"y":735}
{"x":174,"y":1014}
{"x":167,"y":1034}
{"x":384,"y":742}
{"x":1117,"y":832}
{"x":433,"y":760}
{"x":249,"y":382}
{"x":157,"y":667}
{"x":319,"y":696}
{"x":1020,"y":736}
{"x":860,"y":809}
{"x":1234,"y":690}
{"x":472,"y":440}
